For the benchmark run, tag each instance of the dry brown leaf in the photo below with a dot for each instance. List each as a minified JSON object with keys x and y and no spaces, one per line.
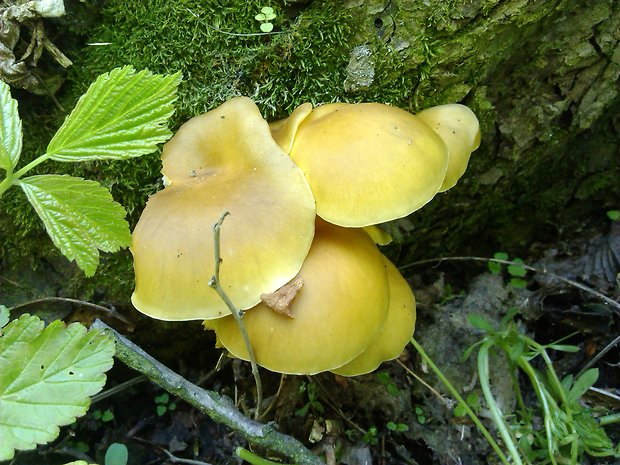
{"x":280,"y":300}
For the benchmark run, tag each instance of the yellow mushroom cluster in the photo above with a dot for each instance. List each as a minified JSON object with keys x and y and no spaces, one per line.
{"x":298,"y":248}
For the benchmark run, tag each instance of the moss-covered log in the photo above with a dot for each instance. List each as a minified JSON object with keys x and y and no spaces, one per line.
{"x":542,"y":77}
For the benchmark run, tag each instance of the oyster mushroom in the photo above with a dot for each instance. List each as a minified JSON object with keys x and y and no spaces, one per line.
{"x":396,"y":331}
{"x":336,"y":314}
{"x":458,"y":126}
{"x":366,"y":163}
{"x":224,"y":160}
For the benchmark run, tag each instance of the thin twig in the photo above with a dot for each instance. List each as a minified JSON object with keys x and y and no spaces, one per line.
{"x":116,"y":389}
{"x":544,"y":271}
{"x":174,"y":459}
{"x":461,"y":401}
{"x":214,"y":283}
{"x":275,"y":397}
{"x":449,"y":403}
{"x":111,"y":312}
{"x":219,"y":408}
{"x":598,"y":356}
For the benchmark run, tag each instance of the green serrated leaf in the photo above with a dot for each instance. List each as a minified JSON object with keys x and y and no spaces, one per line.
{"x":123,"y":114}
{"x":10,"y":129}
{"x":80,"y":216}
{"x":4,"y":317}
{"x":48,"y":376}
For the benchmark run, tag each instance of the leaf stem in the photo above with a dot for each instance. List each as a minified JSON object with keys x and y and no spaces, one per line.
{"x":11,"y":177}
{"x":498,"y":417}
{"x":214,"y":283}
{"x":252,"y":458}
{"x":461,"y":401}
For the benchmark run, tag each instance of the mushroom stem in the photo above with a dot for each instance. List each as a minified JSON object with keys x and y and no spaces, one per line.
{"x":214,"y":283}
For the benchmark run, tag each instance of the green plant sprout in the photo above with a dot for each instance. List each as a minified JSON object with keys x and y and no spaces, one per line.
{"x":570,"y":429}
{"x":163,"y":404}
{"x":390,"y":386}
{"x":265,"y":16}
{"x":397,"y":427}
{"x":419,"y":414}
{"x":313,"y":403}
{"x":370,"y":436}
{"x":516,"y":270}
{"x":103,"y":416}
{"x":122,"y":115}
{"x":472,"y":400}
{"x":613,"y":215}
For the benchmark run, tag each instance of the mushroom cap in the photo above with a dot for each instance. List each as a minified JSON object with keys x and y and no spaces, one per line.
{"x":221,"y":161}
{"x":458,"y":126}
{"x":283,"y":131}
{"x":337,"y":312}
{"x":379,"y":235}
{"x":396,"y":331}
{"x":368,"y":163}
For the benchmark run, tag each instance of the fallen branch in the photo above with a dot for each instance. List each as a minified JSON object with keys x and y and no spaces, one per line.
{"x":220,"y":408}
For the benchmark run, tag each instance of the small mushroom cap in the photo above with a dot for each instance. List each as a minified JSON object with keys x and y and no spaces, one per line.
{"x":458,"y":126}
{"x":221,"y":161}
{"x":396,"y":331}
{"x":337,"y":312}
{"x":283,"y":131}
{"x":368,"y":163}
{"x":379,"y":235}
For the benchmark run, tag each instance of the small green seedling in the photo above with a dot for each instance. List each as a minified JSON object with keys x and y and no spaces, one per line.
{"x":313,"y":402}
{"x":397,"y":427}
{"x":385,"y":379}
{"x":265,"y":16}
{"x":370,"y":437}
{"x":516,"y":269}
{"x":613,"y":215}
{"x":419,"y":414}
{"x":163,"y":404}
{"x":473,"y":400}
{"x":103,"y":416}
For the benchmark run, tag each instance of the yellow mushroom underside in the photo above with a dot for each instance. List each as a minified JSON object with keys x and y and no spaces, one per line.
{"x":222,"y":161}
{"x":396,"y":331}
{"x":337,"y":312}
{"x":368,"y":163}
